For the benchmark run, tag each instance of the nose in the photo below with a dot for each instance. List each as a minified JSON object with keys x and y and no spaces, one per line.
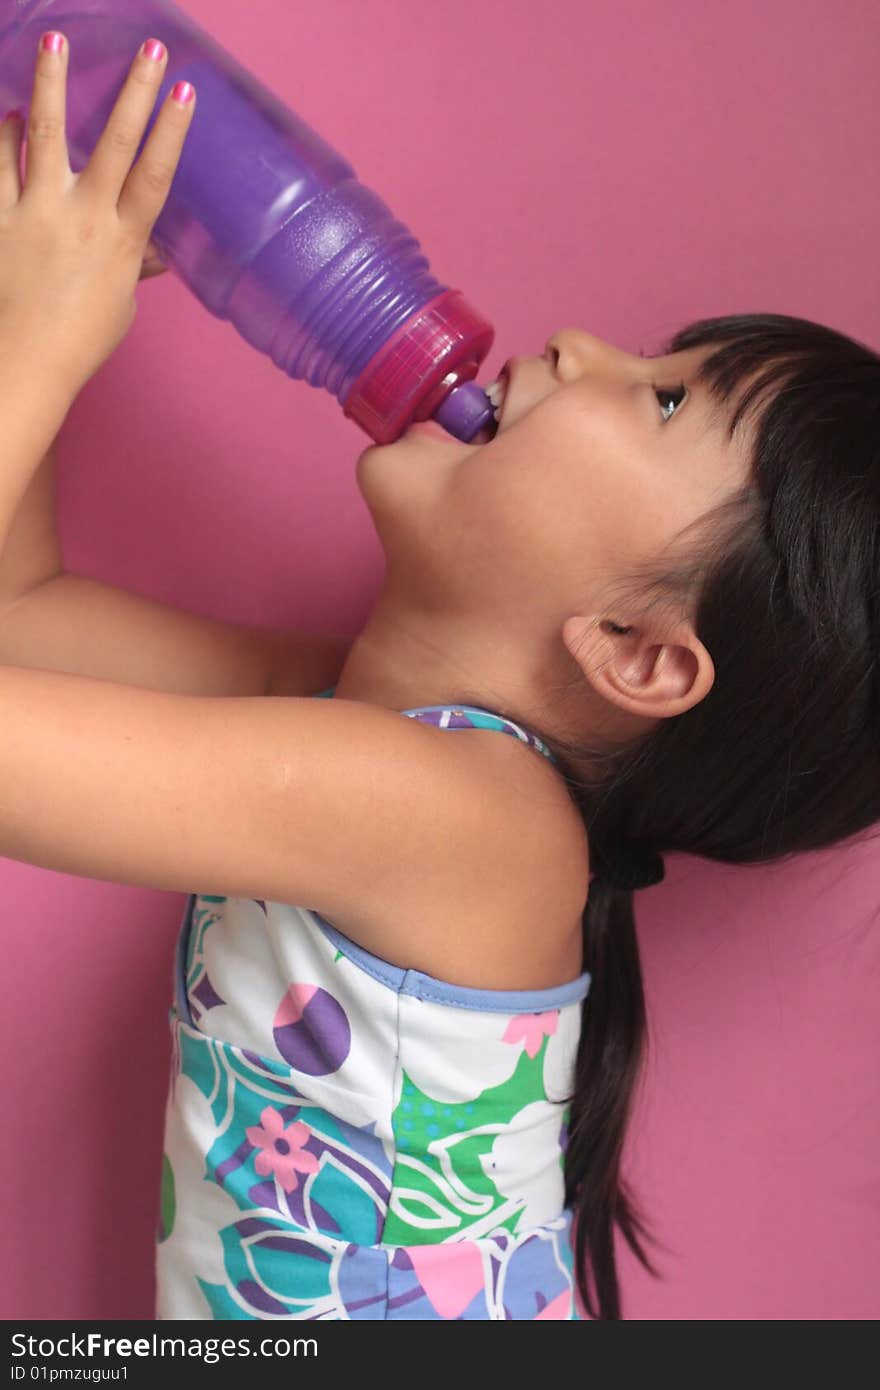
{"x":572,"y":353}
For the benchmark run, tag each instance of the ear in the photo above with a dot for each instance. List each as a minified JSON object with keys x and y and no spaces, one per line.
{"x":655,"y":674}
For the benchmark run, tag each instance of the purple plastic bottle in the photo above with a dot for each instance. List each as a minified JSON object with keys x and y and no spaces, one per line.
{"x":269,"y":226}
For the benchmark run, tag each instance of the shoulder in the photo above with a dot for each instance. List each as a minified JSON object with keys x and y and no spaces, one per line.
{"x":493,"y":897}
{"x":540,"y":860}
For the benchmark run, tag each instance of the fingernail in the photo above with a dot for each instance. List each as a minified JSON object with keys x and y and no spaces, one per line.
{"x":153,"y":49}
{"x":53,"y":42}
{"x":182,"y":93}
{"x":13,"y":115}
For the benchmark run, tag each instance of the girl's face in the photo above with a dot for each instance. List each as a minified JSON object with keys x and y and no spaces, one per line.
{"x":599,"y":461}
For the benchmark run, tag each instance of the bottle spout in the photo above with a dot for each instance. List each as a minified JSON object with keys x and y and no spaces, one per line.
{"x":465,"y":411}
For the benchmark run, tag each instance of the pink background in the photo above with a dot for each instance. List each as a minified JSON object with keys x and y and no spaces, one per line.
{"x":622,"y":167}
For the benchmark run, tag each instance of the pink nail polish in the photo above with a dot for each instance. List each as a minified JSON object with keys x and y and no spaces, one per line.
{"x":182,"y":93}
{"x":154,"y":50}
{"x":53,"y":42}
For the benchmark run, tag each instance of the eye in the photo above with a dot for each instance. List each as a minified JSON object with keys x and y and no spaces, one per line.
{"x":677,"y":393}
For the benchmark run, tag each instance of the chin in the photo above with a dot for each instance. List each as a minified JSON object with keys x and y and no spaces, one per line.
{"x":423,"y":440}
{"x":403,"y":483}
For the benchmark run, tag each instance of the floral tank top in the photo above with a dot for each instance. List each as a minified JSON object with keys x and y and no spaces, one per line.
{"x":349,"y":1139}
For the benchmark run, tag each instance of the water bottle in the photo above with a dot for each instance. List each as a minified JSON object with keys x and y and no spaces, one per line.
{"x":269,"y":226}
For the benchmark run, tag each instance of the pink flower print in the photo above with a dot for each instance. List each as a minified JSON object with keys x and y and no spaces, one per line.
{"x":531,"y":1029}
{"x":281,"y":1150}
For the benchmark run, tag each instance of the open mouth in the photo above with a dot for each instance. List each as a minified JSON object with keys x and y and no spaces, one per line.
{"x":496,"y":392}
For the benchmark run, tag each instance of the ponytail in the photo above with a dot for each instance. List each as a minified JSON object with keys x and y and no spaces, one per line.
{"x":608,"y":1061}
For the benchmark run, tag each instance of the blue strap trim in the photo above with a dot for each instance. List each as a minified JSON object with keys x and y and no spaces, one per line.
{"x":457,"y":717}
{"x":181,"y":997}
{"x":413,"y":982}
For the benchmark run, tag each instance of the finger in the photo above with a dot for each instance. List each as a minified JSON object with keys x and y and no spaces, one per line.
{"x":109,"y":166}
{"x":11,"y":132}
{"x":148,"y":185}
{"x":47,"y":158}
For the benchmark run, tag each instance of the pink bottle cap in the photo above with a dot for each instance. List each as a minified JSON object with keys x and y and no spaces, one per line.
{"x":421,"y":371}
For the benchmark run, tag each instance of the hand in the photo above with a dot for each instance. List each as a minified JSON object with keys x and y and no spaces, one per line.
{"x":152,"y":263}
{"x":73,"y":246}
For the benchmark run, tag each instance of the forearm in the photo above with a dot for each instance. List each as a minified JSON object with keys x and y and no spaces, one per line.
{"x":32,"y":553}
{"x":31,"y":414}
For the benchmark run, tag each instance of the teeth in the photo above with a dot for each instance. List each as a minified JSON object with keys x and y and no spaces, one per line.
{"x":496,"y":391}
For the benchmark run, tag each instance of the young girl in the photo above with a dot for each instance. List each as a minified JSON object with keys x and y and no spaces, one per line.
{"x":408,"y":1011}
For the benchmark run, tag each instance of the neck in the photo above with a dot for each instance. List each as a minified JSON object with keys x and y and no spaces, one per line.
{"x":404,"y":658}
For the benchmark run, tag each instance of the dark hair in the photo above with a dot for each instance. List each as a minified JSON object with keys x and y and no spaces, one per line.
{"x":783,"y":755}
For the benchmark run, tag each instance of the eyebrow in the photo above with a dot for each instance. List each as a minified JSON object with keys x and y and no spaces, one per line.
{"x":719,"y":413}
